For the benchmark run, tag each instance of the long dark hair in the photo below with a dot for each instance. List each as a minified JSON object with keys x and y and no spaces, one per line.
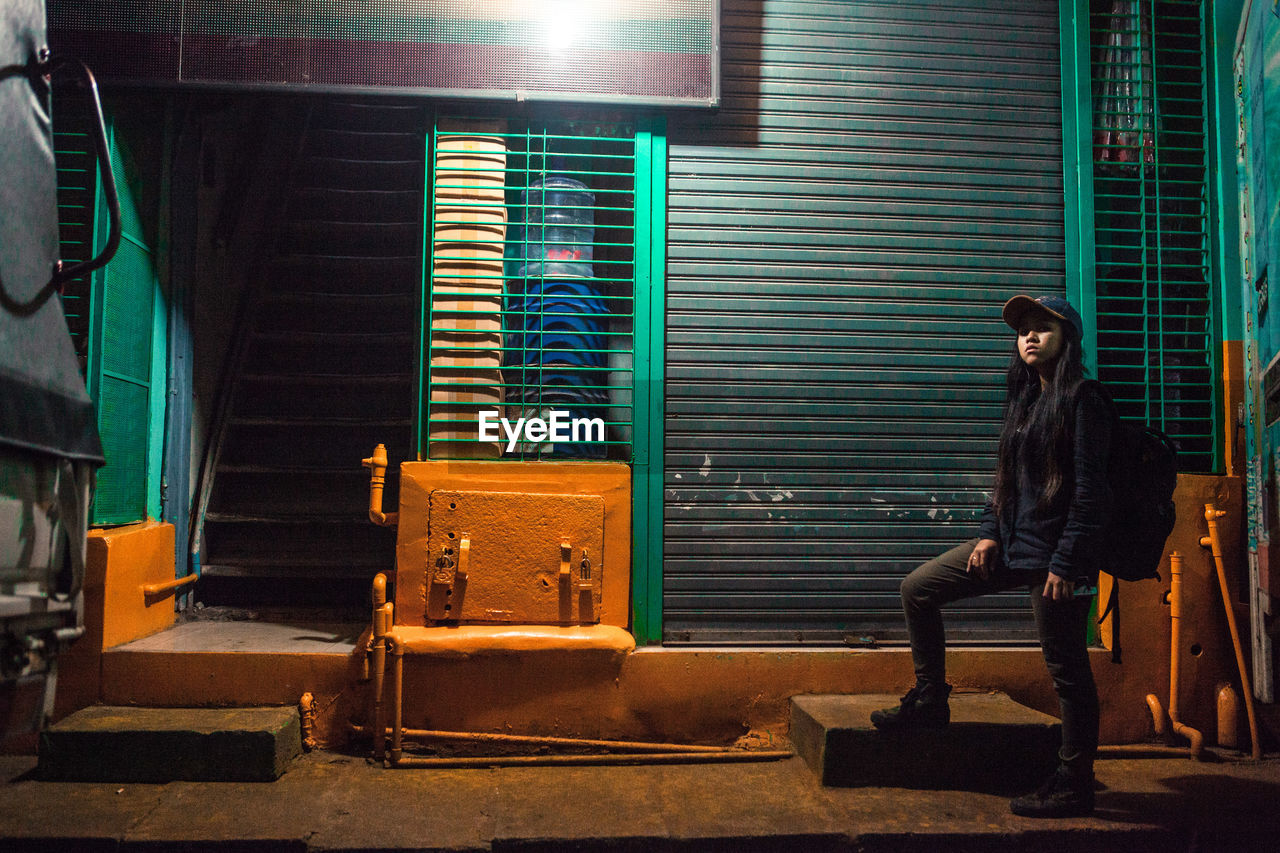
{"x":1043,"y":428}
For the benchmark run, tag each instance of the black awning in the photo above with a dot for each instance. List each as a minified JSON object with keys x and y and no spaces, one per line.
{"x":44,"y":406}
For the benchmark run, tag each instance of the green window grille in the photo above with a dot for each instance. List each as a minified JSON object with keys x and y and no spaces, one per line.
{"x":77,"y":189}
{"x":1156,"y":349}
{"x":115,"y":316}
{"x":529,"y":306}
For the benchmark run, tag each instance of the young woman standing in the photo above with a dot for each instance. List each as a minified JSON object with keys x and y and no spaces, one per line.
{"x":1041,"y":531}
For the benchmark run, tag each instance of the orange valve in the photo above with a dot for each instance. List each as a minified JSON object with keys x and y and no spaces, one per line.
{"x":377,"y":465}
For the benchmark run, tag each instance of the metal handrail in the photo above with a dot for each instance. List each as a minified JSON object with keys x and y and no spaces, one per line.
{"x":62,"y":274}
{"x":46,"y":67}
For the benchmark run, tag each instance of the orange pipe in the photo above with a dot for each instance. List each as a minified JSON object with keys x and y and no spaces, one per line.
{"x":153,"y":589}
{"x":1212,"y":542}
{"x":397,"y":699}
{"x":1228,"y":717}
{"x":727,"y":755}
{"x":1175,"y":648}
{"x":539,"y":740}
{"x":1140,"y":750}
{"x":307,"y":719}
{"x":377,"y":465}
{"x":379,"y":598}
{"x":381,"y":619}
{"x":1157,"y":714}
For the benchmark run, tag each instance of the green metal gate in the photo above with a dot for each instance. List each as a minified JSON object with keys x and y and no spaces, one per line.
{"x":881,"y":176}
{"x":1157,"y":348}
{"x":535,"y":268}
{"x":116,"y":316}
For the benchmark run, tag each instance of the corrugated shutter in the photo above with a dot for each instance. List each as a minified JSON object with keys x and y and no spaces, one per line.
{"x":880,"y":178}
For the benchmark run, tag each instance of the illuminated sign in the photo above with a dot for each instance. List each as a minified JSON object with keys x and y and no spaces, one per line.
{"x":656,"y":52}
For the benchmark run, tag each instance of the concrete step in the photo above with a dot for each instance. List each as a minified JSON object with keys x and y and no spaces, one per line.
{"x":105,"y":743}
{"x":993,"y":744}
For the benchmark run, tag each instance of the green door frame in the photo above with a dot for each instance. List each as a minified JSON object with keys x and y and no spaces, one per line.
{"x":1077,"y":165}
{"x":1077,"y":170}
{"x":650,"y":363}
{"x":153,"y":441}
{"x":649,"y":342}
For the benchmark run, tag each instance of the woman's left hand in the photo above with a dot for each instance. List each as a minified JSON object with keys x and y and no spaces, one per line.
{"x":1058,"y":588}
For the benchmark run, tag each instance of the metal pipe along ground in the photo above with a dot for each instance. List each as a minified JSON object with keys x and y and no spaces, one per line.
{"x":721,"y":756}
{"x":547,"y":740}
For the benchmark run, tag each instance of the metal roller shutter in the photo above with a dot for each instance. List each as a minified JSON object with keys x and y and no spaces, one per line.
{"x":881,"y":176}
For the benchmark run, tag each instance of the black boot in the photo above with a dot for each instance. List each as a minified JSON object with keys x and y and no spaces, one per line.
{"x":924,"y":706}
{"x":1067,"y":793}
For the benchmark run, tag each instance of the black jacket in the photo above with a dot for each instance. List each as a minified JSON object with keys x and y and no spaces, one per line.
{"x":1066,"y":540}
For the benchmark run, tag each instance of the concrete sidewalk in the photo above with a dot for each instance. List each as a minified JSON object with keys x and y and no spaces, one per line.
{"x":333,"y":802}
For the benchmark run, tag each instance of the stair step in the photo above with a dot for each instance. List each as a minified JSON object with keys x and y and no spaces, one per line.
{"x":362,"y":239}
{"x":354,"y":173}
{"x":341,"y":312}
{"x":128,"y":744}
{"x":340,"y":274}
{"x":327,"y":518}
{"x":992,"y":744}
{"x":362,"y":205}
{"x":385,"y":116}
{"x":330,"y":445}
{"x":290,"y":470}
{"x":305,"y":421}
{"x":319,"y":396}
{"x":380,"y":144}
{"x":253,"y":493}
{"x":261,"y":541}
{"x":363,"y":572}
{"x":347,"y":594}
{"x":332,"y":354}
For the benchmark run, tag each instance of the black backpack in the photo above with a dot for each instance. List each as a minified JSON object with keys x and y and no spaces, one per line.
{"x":1142,"y":471}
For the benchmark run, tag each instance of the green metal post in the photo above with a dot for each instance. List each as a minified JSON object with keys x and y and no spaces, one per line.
{"x":650,"y":348}
{"x":1224,"y":203}
{"x":1156,"y":123}
{"x":1077,"y":170}
{"x":1077,"y":185}
{"x":98,"y":278}
{"x":1226,"y":195}
{"x":420,"y":414}
{"x":157,"y":398}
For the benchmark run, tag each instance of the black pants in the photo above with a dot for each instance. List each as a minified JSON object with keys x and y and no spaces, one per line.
{"x":1061,"y":625}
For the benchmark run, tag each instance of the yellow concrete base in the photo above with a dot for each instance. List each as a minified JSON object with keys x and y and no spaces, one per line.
{"x":120,"y":561}
{"x":516,"y":514}
{"x":466,"y":641}
{"x":708,"y":696}
{"x":553,"y":681}
{"x":1143,"y":630}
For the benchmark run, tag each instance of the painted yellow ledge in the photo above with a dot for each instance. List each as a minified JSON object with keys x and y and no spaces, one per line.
{"x":467,"y":640}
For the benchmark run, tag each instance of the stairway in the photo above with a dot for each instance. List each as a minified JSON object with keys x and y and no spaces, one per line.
{"x":328,"y":371}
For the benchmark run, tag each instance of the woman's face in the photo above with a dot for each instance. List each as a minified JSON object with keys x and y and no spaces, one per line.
{"x":1040,"y":340}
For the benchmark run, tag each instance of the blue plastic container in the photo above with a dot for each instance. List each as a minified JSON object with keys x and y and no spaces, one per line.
{"x":557,"y":200}
{"x":557,"y":225}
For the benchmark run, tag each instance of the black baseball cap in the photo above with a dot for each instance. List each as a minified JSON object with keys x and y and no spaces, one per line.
{"x":1017,"y":308}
